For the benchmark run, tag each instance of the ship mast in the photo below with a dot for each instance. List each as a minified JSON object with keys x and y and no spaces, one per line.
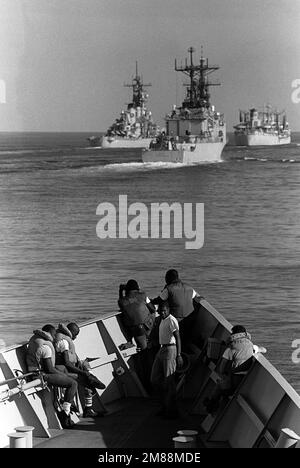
{"x":139,"y":97}
{"x":198,"y":88}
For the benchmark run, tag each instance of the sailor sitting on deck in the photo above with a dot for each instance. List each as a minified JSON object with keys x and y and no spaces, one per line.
{"x":40,"y":356}
{"x":236,"y":361}
{"x":180,"y":297}
{"x":166,"y":361}
{"x":66,"y":355}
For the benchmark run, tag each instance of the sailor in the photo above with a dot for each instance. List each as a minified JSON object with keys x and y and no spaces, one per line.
{"x":236,"y":361}
{"x":180,"y":297}
{"x":40,"y":357}
{"x":166,"y":361}
{"x":139,"y":317}
{"x":66,"y":355}
{"x":137,"y":312}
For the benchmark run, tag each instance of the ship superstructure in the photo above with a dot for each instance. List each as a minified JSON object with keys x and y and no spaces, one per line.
{"x":195,"y":132}
{"x":259,"y":128}
{"x":134,"y":128}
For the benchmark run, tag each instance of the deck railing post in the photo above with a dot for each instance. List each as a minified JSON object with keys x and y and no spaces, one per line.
{"x":287,"y":439}
{"x":27,"y":431}
{"x":17,"y":440}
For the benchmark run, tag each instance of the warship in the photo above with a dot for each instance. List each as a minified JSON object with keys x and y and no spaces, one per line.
{"x":195,"y":132}
{"x":135,"y":127}
{"x":262,"y":128}
{"x":264,"y":411}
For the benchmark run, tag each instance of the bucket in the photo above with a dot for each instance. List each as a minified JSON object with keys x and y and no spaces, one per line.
{"x":17,"y":440}
{"x":27,"y":431}
{"x":183,"y":442}
{"x":188,"y":433}
{"x":214,"y":348}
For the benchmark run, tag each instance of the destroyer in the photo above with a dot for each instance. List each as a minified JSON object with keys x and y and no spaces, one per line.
{"x":135,"y":127}
{"x":262,"y":128}
{"x":195,"y":132}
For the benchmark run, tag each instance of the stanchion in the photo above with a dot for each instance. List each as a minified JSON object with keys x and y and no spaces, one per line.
{"x":287,"y":439}
{"x":17,"y":440}
{"x":184,"y":442}
{"x":27,"y":431}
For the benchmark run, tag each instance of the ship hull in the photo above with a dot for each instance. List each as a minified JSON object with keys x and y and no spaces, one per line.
{"x":109,"y":142}
{"x":261,"y":140}
{"x":202,"y":152}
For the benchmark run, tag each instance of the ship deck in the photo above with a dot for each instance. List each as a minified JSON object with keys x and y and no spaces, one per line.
{"x":129,"y":423}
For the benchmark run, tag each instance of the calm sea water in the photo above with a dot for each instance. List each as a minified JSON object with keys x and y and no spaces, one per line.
{"x":53,"y":267}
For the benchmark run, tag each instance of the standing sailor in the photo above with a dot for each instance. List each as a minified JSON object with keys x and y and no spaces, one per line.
{"x":137,"y":312}
{"x":180,"y":297}
{"x":138,"y":316}
{"x":166,"y":361}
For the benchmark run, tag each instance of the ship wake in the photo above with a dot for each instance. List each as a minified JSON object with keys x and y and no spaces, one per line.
{"x":151,"y":166}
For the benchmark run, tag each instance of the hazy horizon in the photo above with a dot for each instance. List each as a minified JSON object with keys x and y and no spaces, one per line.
{"x":64,"y":62}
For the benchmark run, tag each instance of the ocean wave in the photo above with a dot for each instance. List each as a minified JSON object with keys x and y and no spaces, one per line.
{"x":92,"y":147}
{"x":4,"y":152}
{"x":34,"y":151}
{"x":252,"y":158}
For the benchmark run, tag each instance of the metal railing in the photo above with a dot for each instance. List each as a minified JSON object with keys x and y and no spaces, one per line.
{"x":22,"y":384}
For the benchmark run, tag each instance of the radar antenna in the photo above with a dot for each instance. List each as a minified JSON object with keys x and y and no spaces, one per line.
{"x":198,"y":87}
{"x":139,"y":97}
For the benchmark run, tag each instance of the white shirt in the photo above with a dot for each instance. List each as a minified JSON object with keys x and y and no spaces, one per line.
{"x":165,"y":294}
{"x":167,"y":328}
{"x":43,"y":352}
{"x":62,"y":346}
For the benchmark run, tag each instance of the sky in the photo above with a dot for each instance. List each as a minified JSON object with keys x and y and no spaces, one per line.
{"x":63,"y":63}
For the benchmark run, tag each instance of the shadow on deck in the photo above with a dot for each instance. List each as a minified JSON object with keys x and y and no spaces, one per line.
{"x":130,"y":423}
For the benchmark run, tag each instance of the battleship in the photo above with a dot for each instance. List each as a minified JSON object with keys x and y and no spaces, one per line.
{"x":135,"y":127}
{"x":264,"y":411}
{"x":262,"y":128}
{"x":195,"y":132}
